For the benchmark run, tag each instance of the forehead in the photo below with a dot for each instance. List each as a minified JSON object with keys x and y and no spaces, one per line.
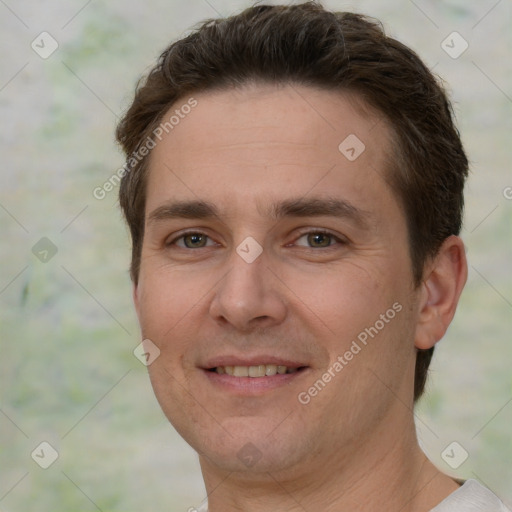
{"x":243,"y":146}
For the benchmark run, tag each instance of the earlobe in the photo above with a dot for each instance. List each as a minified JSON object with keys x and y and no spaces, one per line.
{"x":440,"y":292}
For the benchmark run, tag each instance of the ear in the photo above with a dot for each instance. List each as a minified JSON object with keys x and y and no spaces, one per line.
{"x":441,"y":289}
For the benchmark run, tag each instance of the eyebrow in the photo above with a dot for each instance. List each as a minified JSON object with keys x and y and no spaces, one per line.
{"x":295,"y":207}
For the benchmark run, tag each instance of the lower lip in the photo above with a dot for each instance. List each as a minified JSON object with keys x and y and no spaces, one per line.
{"x":252,"y":385}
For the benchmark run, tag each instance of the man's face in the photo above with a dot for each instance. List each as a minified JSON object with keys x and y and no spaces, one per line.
{"x":259,"y":285}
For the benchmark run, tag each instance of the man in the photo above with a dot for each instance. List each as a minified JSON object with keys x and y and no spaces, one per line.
{"x":294,"y":191}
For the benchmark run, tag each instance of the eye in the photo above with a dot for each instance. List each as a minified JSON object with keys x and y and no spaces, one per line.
{"x":191,"y":240}
{"x":320,"y":239}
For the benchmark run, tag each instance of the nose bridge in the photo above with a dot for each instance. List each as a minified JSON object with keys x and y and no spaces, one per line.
{"x":249,"y":292}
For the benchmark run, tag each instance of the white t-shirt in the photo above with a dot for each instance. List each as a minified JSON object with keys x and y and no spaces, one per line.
{"x":471,"y":497}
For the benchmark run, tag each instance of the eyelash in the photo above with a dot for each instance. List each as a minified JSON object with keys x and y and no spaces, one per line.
{"x":314,"y":231}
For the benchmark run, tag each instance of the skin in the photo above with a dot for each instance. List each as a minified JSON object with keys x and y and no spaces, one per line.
{"x":353,"y":446}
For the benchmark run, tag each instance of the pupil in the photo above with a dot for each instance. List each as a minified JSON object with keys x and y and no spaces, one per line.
{"x":195,"y":239}
{"x":318,"y":237}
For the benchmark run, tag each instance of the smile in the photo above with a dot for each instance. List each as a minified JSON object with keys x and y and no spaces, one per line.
{"x":261,"y":370}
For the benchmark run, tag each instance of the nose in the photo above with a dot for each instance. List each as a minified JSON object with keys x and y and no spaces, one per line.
{"x":249,"y":296}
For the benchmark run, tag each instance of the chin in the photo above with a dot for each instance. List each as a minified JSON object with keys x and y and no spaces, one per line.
{"x":251,"y":460}
{"x":249,"y":445}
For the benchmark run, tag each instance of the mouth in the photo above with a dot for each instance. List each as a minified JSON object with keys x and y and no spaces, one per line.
{"x":252,"y":376}
{"x":256,"y":371}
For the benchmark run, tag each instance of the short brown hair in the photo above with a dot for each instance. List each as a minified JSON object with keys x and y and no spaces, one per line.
{"x":341,"y":51}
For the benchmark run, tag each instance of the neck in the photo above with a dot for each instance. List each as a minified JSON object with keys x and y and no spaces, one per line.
{"x":384,"y":470}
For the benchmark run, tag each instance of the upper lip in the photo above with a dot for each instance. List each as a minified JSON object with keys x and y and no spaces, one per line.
{"x":229,"y":360}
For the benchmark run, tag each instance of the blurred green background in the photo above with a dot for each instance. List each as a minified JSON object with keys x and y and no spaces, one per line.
{"x":67,"y":326}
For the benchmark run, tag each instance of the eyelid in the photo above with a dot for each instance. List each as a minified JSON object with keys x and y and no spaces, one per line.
{"x":339,"y":238}
{"x":183,"y":234}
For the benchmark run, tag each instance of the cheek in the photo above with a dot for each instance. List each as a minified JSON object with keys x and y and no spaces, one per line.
{"x":167,"y":305}
{"x":165,"y":300}
{"x":343,"y":299}
{"x":361,"y":316}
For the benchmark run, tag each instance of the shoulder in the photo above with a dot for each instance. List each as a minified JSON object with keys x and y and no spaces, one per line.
{"x":471,"y":497}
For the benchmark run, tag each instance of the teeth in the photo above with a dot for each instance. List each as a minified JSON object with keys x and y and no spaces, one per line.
{"x":270,"y":369}
{"x":262,"y":370}
{"x":240,"y":371}
{"x":257,"y":371}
